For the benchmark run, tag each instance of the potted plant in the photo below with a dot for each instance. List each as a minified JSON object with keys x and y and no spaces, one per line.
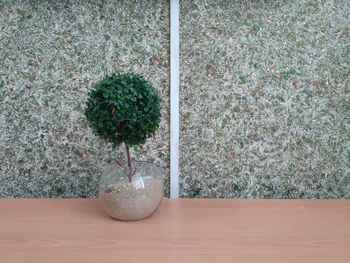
{"x":125,"y":109}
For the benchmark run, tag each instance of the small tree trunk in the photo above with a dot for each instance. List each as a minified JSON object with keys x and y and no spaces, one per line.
{"x":129,"y":163}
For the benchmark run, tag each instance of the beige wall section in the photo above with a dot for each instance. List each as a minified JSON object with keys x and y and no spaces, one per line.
{"x":52,"y":54}
{"x":265,"y":99}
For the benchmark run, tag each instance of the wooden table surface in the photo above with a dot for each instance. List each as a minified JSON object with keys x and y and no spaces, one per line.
{"x":184,"y":230}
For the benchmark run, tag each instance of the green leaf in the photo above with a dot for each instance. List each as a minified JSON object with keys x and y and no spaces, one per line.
{"x":126,"y":103}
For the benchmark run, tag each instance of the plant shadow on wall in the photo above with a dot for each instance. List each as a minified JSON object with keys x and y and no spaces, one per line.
{"x":125,"y":109}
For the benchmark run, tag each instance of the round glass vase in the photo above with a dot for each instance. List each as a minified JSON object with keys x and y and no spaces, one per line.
{"x":135,"y":200}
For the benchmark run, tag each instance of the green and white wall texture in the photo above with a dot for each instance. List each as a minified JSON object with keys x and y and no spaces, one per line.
{"x":264,"y":94}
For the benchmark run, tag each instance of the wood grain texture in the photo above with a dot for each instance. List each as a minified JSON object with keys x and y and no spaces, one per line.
{"x":184,"y":230}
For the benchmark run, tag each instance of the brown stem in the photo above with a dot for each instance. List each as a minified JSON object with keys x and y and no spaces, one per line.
{"x":119,"y":163}
{"x":137,"y":168}
{"x":129,"y":163}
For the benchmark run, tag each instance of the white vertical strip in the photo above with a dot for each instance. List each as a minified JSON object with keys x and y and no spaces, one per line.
{"x":174,"y":97}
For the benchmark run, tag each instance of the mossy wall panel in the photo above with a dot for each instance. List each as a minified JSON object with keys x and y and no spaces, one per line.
{"x":265,"y":99}
{"x":264,"y":94}
{"x":51,"y":54}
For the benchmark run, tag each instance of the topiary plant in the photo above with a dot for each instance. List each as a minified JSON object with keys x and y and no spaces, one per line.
{"x":123,"y":108}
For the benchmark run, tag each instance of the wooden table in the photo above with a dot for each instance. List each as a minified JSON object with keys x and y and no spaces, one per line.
{"x":184,"y":230}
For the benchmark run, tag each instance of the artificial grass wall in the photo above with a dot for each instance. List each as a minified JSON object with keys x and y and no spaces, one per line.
{"x":264,"y":94}
{"x":265,"y":99}
{"x":51,"y":54}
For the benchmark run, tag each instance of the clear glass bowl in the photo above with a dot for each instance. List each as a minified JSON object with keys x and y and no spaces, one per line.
{"x":135,"y":200}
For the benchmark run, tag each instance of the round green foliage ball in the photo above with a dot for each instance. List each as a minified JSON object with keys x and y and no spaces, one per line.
{"x":123,"y":108}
